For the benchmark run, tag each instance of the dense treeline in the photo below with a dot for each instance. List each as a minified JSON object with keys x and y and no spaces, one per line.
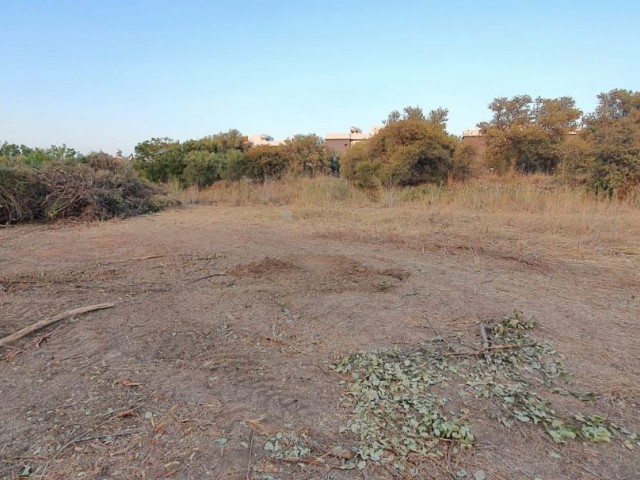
{"x":229,"y":156}
{"x":550,"y":135}
{"x":601,"y":149}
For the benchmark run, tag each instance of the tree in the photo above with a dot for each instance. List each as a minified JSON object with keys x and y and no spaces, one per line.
{"x":220,"y":142}
{"x":202,"y":168}
{"x":393,"y":117}
{"x":409,"y":151}
{"x":413,"y":113}
{"x":307,"y":154}
{"x":439,"y":116}
{"x":527,"y":135}
{"x":266,"y":161}
{"x":12,"y":150}
{"x":194,"y":162}
{"x":159,"y":159}
{"x":509,"y":113}
{"x":556,"y":116}
{"x":615,"y":105}
{"x":612,"y":134}
{"x":236,"y":166}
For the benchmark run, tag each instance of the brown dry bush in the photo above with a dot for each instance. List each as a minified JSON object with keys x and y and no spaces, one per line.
{"x":21,"y":193}
{"x":99,"y":189}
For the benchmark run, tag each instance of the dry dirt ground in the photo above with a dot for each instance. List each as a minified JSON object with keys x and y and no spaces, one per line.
{"x":229,"y":314}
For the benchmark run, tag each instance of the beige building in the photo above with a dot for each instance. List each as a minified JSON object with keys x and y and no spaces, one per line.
{"x":339,"y":142}
{"x":264,"y":139}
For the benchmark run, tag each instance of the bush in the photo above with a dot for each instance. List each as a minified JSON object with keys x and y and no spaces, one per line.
{"x":403,"y":153}
{"x":159,"y":160}
{"x":265,"y":161}
{"x":202,"y":168}
{"x":307,"y":155}
{"x":616,"y":156}
{"x":236,"y":167}
{"x":606,"y":153}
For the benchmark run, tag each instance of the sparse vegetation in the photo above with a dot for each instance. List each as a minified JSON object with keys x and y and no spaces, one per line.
{"x":403,"y":401}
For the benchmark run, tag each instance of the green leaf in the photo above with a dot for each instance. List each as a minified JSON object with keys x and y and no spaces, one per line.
{"x":596,"y":434}
{"x":26,"y":471}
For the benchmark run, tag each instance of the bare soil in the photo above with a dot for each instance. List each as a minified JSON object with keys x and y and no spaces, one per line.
{"x":230,"y":314}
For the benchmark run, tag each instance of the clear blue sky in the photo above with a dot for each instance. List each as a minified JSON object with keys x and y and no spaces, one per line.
{"x":99,"y":74}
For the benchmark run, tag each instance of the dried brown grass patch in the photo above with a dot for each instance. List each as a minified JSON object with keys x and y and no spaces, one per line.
{"x":524,"y":219}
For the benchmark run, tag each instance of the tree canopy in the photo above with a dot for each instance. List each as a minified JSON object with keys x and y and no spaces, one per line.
{"x":611,"y":151}
{"x":411,"y":149}
{"x":526,"y":134}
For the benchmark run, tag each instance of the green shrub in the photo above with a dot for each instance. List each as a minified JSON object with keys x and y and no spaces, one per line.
{"x":236,"y":167}
{"x":405,"y":152}
{"x":202,"y":168}
{"x":266,"y":162}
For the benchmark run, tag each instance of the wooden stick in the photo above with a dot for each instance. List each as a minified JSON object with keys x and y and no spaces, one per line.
{"x":43,"y":323}
{"x":309,"y":461}
{"x":485,"y":342}
{"x":488,"y":350}
{"x":148,"y":257}
{"x":250,"y":457}
{"x":217,"y":274}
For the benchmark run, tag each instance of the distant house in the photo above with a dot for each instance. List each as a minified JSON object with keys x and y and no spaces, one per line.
{"x":264,"y":139}
{"x":338,"y":143}
{"x":477,"y":140}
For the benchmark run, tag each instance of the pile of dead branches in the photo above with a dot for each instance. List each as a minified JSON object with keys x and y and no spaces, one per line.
{"x":93,"y":190}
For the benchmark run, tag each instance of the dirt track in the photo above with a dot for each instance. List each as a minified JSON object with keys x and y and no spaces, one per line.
{"x":227,"y":314}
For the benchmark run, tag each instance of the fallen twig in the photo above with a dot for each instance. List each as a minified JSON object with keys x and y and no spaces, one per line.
{"x":217,"y":274}
{"x":485,"y":342}
{"x":579,"y":465}
{"x":437,"y":332}
{"x":42,"y":338}
{"x":507,"y":347}
{"x":310,"y":461}
{"x":84,"y":438}
{"x":250,"y":456}
{"x":257,"y":426}
{"x":492,"y":348}
{"x":148,"y":257}
{"x":344,"y":454}
{"x":43,"y":323}
{"x":449,"y":468}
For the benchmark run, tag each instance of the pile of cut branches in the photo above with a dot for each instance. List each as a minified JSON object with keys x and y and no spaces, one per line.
{"x":96,"y":190}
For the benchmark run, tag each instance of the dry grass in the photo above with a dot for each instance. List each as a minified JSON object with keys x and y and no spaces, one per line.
{"x":525,"y":218}
{"x":301,"y":192}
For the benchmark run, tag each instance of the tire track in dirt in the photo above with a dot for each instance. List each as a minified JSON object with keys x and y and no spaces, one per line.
{"x":16,"y":315}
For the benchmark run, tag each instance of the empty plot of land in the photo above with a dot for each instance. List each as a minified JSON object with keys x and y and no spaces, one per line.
{"x":227,"y":321}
